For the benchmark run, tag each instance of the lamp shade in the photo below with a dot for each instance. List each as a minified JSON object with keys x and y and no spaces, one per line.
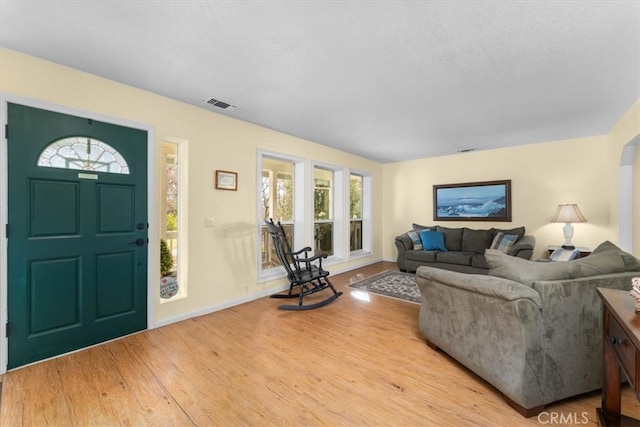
{"x":568,"y":213}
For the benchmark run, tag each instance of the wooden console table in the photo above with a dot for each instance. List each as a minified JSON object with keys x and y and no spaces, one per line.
{"x":621,"y":352}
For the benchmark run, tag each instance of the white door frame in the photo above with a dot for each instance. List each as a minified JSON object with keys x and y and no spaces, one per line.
{"x":626,"y":194}
{"x":153,"y":234}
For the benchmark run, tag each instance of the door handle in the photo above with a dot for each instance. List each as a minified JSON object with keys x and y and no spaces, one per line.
{"x":139,"y":242}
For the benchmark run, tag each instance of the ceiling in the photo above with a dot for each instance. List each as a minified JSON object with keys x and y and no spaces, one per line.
{"x":386,"y":80}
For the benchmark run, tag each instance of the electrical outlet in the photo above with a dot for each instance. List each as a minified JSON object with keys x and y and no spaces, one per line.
{"x":209,"y":222}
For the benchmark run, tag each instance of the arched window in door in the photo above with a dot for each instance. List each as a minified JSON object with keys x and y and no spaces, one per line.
{"x":83,"y":153}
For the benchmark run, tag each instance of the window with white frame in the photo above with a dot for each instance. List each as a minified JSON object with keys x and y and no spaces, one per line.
{"x":173,"y":245}
{"x":280,"y":199}
{"x":285,"y":190}
{"x":360,"y":213}
{"x":323,"y":208}
{"x":355,"y":212}
{"x":328,"y":212}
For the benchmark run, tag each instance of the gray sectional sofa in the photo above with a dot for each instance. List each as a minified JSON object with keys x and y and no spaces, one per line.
{"x":465,"y":249}
{"x":531,"y":329}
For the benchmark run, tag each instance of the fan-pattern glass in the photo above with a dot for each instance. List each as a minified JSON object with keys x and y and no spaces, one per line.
{"x":83,"y":153}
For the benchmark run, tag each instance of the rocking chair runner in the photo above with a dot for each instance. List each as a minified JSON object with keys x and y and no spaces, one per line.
{"x":302,"y":271}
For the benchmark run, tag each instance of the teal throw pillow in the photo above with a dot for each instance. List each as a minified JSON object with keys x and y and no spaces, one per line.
{"x":433,"y":240}
{"x":503,"y":241}
{"x":415,"y":239}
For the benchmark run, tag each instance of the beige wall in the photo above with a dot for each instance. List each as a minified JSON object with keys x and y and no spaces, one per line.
{"x":222,"y":260}
{"x":543,"y":176}
{"x":582,"y":171}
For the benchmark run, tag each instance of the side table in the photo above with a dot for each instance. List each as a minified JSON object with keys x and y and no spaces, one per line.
{"x":621,"y":346}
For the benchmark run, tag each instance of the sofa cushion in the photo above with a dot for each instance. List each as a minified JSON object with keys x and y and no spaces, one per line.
{"x":503,"y":242}
{"x":455,"y":257}
{"x":432,"y":240}
{"x":476,"y":240}
{"x":452,"y":237}
{"x":631,"y":263}
{"x":525,"y":271}
{"x":419,"y":228}
{"x":421,"y":256}
{"x":600,"y":263}
{"x":606,"y":246}
{"x":479,"y":261}
{"x":518,"y":231}
{"x":415,"y":239}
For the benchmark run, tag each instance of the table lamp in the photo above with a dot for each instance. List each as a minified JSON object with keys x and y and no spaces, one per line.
{"x":568,"y":213}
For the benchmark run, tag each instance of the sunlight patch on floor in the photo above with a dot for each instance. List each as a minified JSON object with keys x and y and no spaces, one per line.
{"x":359,"y":295}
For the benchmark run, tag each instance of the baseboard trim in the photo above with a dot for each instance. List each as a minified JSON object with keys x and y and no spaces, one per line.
{"x":248,"y":298}
{"x":353,"y":267}
{"x":221,"y":306}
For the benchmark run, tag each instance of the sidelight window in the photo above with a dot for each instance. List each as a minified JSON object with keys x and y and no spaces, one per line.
{"x":173,"y":220}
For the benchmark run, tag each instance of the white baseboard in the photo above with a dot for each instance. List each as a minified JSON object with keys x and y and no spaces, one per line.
{"x":222,"y":306}
{"x":247,"y":298}
{"x":353,"y":267}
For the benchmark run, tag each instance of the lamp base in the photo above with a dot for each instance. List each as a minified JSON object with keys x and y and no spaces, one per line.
{"x":567,"y":230}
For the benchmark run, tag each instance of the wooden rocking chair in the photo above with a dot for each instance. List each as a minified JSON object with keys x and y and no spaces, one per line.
{"x":303,"y":272}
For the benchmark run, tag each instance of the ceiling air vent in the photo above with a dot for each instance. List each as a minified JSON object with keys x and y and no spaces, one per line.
{"x":220,"y":104}
{"x":466,"y":150}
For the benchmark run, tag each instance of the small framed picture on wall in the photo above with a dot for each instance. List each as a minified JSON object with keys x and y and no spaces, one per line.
{"x":226,"y":180}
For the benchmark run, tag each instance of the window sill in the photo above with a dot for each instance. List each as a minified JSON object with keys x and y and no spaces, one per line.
{"x":359,"y":254}
{"x":271,"y":274}
{"x":332,"y":260}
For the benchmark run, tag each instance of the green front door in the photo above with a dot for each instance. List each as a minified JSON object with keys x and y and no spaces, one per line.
{"x":77,"y":233}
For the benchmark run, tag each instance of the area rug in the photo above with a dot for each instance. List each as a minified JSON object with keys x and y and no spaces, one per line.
{"x":393,"y":284}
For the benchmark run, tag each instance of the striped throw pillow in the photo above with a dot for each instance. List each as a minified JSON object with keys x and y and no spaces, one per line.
{"x":415,"y":238}
{"x":503,"y":242}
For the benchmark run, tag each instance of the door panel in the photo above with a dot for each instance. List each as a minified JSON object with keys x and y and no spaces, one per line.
{"x":53,"y":208}
{"x":77,"y":259}
{"x":115,"y":209}
{"x":50,"y":280}
{"x":115,"y":275}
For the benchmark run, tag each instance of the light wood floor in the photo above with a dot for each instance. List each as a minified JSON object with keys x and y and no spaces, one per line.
{"x":349,"y":363}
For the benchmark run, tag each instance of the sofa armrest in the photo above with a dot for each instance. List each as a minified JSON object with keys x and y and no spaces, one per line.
{"x":573,"y":330}
{"x":524,"y":247}
{"x":404,"y":242}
